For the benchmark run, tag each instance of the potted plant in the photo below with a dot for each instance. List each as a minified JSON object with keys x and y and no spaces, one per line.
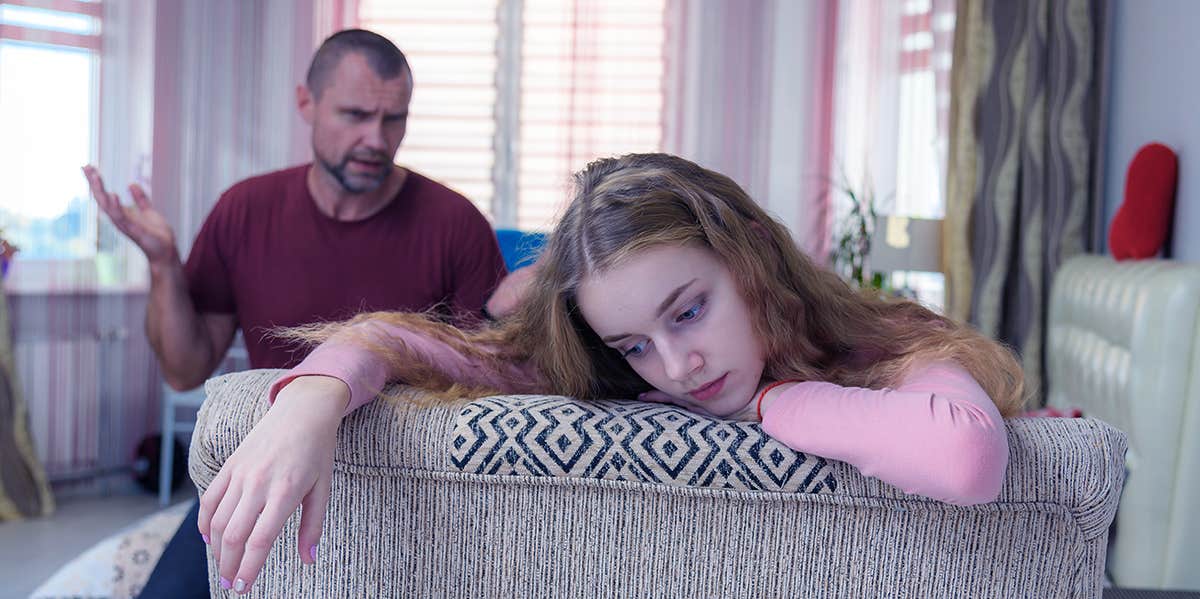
{"x":852,"y":232}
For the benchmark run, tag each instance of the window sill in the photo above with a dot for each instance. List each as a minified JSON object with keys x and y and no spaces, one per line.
{"x":102,"y":275}
{"x":74,"y":290}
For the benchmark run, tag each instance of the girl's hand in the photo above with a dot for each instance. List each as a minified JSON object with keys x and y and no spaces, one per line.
{"x":286,"y":461}
{"x":757,"y":408}
{"x":747,"y":413}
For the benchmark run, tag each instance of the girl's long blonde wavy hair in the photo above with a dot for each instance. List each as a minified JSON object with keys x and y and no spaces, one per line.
{"x":815,"y":326}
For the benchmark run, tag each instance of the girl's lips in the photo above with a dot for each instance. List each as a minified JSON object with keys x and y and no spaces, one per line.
{"x":710,"y":390}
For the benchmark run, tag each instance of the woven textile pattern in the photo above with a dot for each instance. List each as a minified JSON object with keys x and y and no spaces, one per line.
{"x":627,"y":441}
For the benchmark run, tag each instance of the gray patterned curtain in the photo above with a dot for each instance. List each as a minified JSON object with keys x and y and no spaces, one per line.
{"x":1024,"y":148}
{"x":23,"y":488}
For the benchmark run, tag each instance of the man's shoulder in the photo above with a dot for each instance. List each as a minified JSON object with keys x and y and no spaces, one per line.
{"x":436,"y":197}
{"x":272,"y":183}
{"x":267,"y":192}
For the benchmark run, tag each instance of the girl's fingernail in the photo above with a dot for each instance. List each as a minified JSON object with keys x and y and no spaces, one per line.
{"x":225,"y":584}
{"x":313,"y":552}
{"x":207,"y":541}
{"x":240,"y":585}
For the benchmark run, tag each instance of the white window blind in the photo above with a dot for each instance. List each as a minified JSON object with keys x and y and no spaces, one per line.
{"x":513,"y":96}
{"x":926,"y":38}
{"x":591,"y":86}
{"x":451,"y":47}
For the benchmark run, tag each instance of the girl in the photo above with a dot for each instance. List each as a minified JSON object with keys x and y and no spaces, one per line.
{"x":664,"y":281}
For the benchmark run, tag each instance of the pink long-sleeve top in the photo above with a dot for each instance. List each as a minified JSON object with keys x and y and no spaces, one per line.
{"x":936,"y":434}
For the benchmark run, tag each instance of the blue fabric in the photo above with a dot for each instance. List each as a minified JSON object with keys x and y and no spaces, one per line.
{"x":519,"y":248}
{"x":182,"y":571}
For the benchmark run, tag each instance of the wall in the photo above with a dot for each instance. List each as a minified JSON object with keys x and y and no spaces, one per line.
{"x":1155,"y":96}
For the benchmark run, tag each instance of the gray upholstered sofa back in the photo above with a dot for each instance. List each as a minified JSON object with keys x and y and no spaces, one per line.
{"x":552,"y":497}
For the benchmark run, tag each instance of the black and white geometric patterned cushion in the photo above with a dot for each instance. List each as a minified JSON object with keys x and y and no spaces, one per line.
{"x":630,"y":441}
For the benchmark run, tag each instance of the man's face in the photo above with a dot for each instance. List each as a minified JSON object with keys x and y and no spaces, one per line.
{"x":357,"y":123}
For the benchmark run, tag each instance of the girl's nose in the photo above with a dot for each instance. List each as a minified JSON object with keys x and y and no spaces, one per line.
{"x":680,"y":363}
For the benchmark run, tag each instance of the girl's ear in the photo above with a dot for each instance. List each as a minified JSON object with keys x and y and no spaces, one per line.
{"x":760,"y":230}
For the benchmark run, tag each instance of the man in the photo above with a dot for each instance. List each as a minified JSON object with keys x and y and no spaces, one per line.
{"x":349,"y":232}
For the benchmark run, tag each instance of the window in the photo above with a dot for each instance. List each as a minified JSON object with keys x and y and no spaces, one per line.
{"x":49,"y":84}
{"x":892,"y":112}
{"x":451,"y":47}
{"x":513,"y":96}
{"x":926,"y":36}
{"x":926,"y":39}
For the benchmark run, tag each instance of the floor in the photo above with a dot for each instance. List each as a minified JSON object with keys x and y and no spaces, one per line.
{"x":31,"y":550}
{"x":1144,"y":594}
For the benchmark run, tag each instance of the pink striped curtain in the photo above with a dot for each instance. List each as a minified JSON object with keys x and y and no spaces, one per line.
{"x":224,"y":98}
{"x":749,"y":94}
{"x":893,"y":101}
{"x":78,"y":361}
{"x":219,"y":78}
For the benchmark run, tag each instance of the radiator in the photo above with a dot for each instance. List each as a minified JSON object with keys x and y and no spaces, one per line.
{"x":89,"y":378}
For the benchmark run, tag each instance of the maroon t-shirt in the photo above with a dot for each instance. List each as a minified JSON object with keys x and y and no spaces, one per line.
{"x":267,"y":255}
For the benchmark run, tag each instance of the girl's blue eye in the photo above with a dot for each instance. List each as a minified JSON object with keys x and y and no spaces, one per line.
{"x":634,"y":351}
{"x":691,"y":313}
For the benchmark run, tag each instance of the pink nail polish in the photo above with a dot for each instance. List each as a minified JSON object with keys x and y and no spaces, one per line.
{"x":225,"y":584}
{"x":207,"y":541}
{"x":313,"y":552}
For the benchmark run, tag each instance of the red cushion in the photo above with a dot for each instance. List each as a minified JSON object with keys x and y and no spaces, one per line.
{"x":1141,"y":224}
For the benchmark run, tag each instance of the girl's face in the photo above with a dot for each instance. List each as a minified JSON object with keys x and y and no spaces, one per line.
{"x":675,"y":314}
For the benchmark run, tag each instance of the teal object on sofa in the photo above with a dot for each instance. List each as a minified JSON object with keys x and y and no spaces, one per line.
{"x":519,"y":248}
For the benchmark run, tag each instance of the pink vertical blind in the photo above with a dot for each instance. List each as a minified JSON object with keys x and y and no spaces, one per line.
{"x":451,"y":47}
{"x":592,"y":77}
{"x":44,"y":207}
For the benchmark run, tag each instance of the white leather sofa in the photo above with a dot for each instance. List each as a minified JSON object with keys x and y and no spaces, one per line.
{"x":1124,"y":346}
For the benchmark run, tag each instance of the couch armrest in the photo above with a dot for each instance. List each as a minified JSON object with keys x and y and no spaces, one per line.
{"x":382,"y":434}
{"x":1073,"y":463}
{"x":415,"y":511}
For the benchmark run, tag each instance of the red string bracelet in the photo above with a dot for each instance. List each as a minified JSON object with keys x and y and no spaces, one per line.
{"x":758,"y":406}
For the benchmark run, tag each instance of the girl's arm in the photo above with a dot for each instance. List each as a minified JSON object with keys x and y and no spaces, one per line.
{"x":937,"y":434}
{"x":287,"y":458}
{"x":365,"y":372}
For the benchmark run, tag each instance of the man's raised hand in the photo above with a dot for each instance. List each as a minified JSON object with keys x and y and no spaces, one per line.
{"x":140,"y":222}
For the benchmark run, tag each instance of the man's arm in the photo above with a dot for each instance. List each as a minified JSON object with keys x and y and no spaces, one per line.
{"x":481,"y":285}
{"x":189,"y":345}
{"x":510,"y":292}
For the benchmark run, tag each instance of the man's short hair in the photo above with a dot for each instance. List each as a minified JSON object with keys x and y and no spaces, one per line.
{"x":385,"y":59}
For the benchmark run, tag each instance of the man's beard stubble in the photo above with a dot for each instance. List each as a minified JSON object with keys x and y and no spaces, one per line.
{"x":338,"y":172}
